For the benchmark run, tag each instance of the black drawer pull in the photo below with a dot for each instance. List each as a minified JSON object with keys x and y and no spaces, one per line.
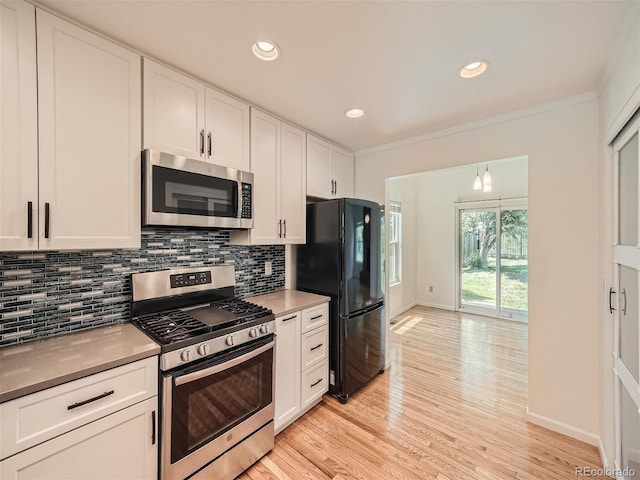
{"x":316,"y":382}
{"x":288,"y":318}
{"x":80,"y":404}
{"x":316,"y":347}
{"x":317,"y":317}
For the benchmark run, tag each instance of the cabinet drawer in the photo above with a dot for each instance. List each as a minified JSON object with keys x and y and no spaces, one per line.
{"x":314,"y":384}
{"x":314,"y":317}
{"x":314,"y":346}
{"x":35,"y":418}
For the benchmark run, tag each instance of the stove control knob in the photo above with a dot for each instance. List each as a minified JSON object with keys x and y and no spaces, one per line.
{"x":253,"y":333}
{"x":186,"y":356}
{"x":264,"y":328}
{"x":204,"y":349}
{"x":230,"y":341}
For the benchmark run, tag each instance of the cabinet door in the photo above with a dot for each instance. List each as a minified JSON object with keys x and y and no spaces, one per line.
{"x":287,"y":402}
{"x":319,"y":179}
{"x":265,"y":152}
{"x":227,"y":122}
{"x":174,"y":112}
{"x":122,"y":445}
{"x":89,"y":127}
{"x":19,"y":135}
{"x":293,"y":184}
{"x":342,"y":171}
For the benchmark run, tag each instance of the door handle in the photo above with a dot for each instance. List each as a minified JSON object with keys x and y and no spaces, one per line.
{"x":47,"y":218}
{"x":153,"y":427}
{"x":279,"y":228}
{"x":284,"y":224}
{"x":624,"y":294}
{"x":29,"y":219}
{"x":209,"y":144}
{"x":202,"y":142}
{"x":611,"y":307}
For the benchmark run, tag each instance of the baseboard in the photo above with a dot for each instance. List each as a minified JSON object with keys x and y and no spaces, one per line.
{"x":435,"y":305}
{"x":603,"y":454}
{"x":565,"y":429}
{"x":403,"y":309}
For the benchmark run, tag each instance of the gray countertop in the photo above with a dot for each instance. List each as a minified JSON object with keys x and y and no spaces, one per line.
{"x":283,"y":302}
{"x":34,"y":366}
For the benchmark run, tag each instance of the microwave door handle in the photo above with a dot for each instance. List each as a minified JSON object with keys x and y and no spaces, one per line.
{"x":236,"y":200}
{"x":192,"y":377}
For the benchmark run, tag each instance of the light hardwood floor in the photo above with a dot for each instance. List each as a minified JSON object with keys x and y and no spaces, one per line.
{"x":450,"y":406}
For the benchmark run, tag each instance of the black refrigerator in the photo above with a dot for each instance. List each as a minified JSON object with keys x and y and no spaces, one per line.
{"x":343,"y":259}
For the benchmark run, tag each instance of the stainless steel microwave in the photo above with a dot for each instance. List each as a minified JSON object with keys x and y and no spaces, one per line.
{"x":179,"y":191}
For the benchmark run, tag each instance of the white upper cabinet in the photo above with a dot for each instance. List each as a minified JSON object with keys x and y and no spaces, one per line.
{"x":184,"y":117}
{"x":70,"y":164}
{"x":278,"y":161}
{"x":19,"y":128}
{"x":89,"y":139}
{"x":329,"y":169}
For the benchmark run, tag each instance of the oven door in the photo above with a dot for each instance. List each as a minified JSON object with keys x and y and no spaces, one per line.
{"x":210,"y":407}
{"x":184,"y":192}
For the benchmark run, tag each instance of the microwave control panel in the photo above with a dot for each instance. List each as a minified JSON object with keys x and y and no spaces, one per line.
{"x":190,"y":279}
{"x":245,"y":212}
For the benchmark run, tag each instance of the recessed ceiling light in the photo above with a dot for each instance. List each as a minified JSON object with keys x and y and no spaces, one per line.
{"x":473,"y":69}
{"x":354,"y":112}
{"x":265,"y":50}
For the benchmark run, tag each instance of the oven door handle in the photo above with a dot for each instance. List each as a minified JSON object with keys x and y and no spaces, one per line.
{"x":192,"y":377}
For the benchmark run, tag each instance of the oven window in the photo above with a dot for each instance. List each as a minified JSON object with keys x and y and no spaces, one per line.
{"x":206,"y":408}
{"x":177,"y":191}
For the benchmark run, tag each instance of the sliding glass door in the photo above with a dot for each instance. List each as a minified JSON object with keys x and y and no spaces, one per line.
{"x":493,"y":259}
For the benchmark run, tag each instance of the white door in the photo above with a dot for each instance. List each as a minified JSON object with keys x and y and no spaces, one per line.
{"x":19,"y":135}
{"x":626,"y":257}
{"x":342,"y":173}
{"x":89,"y":147}
{"x":319,"y":179}
{"x":227,"y":127}
{"x":174,"y":112}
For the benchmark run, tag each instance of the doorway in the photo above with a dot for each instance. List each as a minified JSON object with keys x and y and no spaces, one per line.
{"x":493,"y":259}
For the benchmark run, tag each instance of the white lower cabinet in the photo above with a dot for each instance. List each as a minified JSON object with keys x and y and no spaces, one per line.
{"x":301,"y":362}
{"x":103,"y":426}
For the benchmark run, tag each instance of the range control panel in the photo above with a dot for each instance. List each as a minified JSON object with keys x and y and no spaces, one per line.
{"x":190,"y":279}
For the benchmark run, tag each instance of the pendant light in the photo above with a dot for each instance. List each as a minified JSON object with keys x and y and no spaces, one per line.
{"x":477,"y":183}
{"x":486,"y":181}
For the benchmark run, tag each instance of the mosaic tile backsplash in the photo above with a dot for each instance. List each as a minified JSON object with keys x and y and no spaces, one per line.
{"x":49,"y":293}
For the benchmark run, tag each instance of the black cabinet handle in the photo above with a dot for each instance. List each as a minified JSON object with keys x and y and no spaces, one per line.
{"x":611,"y":307}
{"x":29,"y":219}
{"x":279,"y":228}
{"x":316,"y":347}
{"x":209,"y":144}
{"x":85,"y":402}
{"x":47,"y":215}
{"x":153,"y":427}
{"x":289,"y":318}
{"x":316,"y":382}
{"x":202,"y":142}
{"x":284,"y":223}
{"x":317,"y":317}
{"x":336,"y":183}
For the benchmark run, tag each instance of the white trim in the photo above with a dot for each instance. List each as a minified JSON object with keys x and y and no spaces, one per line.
{"x":618,"y":123}
{"x":406,"y":308}
{"x":563,"y":428}
{"x":436,"y":305}
{"x":486,"y":122}
{"x":603,"y":454}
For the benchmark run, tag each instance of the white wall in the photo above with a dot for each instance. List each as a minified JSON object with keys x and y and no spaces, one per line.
{"x":619,"y":96}
{"x":437,"y":193}
{"x":402,"y":296}
{"x":561,"y":142}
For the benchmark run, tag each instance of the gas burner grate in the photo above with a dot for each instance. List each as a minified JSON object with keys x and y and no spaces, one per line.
{"x":172,"y":326}
{"x":242,"y":308}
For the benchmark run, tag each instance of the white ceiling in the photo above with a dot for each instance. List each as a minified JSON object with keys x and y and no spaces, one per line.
{"x":398,"y":60}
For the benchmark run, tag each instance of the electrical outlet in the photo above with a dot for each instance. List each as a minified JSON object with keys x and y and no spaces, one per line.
{"x":267,"y":268}
{"x":431,"y":288}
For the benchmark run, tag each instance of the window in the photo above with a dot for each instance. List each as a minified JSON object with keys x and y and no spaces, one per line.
{"x":395,"y":242}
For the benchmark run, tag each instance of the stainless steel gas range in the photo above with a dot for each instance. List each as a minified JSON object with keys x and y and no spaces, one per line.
{"x":216,"y":371}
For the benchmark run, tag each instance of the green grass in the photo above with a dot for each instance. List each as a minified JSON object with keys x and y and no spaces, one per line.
{"x":479,"y":286}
